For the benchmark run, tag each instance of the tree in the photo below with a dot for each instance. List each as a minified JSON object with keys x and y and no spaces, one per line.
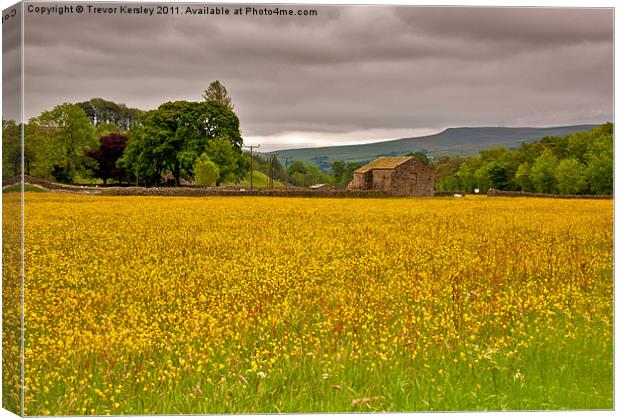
{"x":11,"y":148}
{"x":338,"y":168}
{"x":61,"y":138}
{"x":173,"y":136}
{"x":466,"y":177}
{"x":111,"y":148}
{"x":141,"y":158}
{"x":223,"y":153}
{"x":557,"y":145}
{"x":498,"y":174}
{"x":296,"y":167}
{"x":523,"y":177}
{"x":206,"y":172}
{"x":421,"y":157}
{"x":492,"y":174}
{"x":347,"y":176}
{"x":105,"y":129}
{"x":578,"y":146}
{"x":600,"y":160}
{"x":103,"y":112}
{"x":482,"y":177}
{"x":492,"y":154}
{"x":543,"y":173}
{"x":446,"y":169}
{"x":298,"y":179}
{"x":216,"y":91}
{"x":314,"y":175}
{"x":307,"y":175}
{"x":571,"y":176}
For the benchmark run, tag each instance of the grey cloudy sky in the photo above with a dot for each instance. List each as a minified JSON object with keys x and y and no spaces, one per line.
{"x":350,"y":74}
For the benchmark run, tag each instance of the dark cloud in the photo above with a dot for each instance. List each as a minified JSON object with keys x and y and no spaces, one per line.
{"x":11,"y":65}
{"x":378,"y":69}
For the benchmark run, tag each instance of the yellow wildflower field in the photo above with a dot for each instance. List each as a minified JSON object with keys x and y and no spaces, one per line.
{"x":172,"y":305}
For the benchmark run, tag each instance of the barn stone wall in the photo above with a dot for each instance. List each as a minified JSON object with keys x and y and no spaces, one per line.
{"x":413,"y":178}
{"x":382,"y":180}
{"x":418,"y":179}
{"x":361,"y":181}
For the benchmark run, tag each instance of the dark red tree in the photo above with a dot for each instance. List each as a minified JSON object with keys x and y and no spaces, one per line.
{"x":111,"y":148}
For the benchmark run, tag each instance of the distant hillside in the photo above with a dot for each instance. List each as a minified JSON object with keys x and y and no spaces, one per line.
{"x":452,"y":141}
{"x":258,"y":180}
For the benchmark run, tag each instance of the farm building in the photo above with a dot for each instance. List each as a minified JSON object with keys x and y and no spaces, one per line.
{"x":399,"y":176}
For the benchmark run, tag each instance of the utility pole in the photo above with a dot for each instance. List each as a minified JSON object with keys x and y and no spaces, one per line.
{"x":269,"y":173}
{"x":272,"y":170}
{"x":286,"y":172}
{"x":251,"y":147}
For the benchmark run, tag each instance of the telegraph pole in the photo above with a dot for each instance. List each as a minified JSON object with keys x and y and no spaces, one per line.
{"x":286,"y":172}
{"x":272,"y":170}
{"x":251,"y":147}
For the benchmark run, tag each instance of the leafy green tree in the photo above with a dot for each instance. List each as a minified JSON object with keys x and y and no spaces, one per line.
{"x":296,"y":167}
{"x":600,"y":175}
{"x":421,"y":157}
{"x":446,"y":169}
{"x":60,"y":139}
{"x":11,"y":148}
{"x":466,"y":177}
{"x":492,"y":174}
{"x":600,"y":160}
{"x":105,"y":129}
{"x":557,"y":145}
{"x":104,"y":112}
{"x":297,"y":179}
{"x":217,"y":91}
{"x":492,"y":154}
{"x":571,"y":176}
{"x":306,"y":175}
{"x":499,"y":176}
{"x":523,"y":179}
{"x":532,"y":166}
{"x":349,"y":169}
{"x":206,"y":171}
{"x":527,"y":153}
{"x":226,"y":156}
{"x":338,"y":169}
{"x":314,"y":176}
{"x":141,"y":158}
{"x":543,"y":173}
{"x":297,"y":173}
{"x":578,"y":144}
{"x":172,"y":137}
{"x":483,"y":178}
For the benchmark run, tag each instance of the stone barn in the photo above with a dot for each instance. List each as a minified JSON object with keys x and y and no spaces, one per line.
{"x":399,"y":176}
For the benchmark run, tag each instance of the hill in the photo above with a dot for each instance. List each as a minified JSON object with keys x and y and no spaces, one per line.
{"x":452,"y":142}
{"x":258,"y":180}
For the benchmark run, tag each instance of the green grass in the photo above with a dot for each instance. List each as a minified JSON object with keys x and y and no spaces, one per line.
{"x":552,"y":374}
{"x":27,"y":188}
{"x":259,"y":179}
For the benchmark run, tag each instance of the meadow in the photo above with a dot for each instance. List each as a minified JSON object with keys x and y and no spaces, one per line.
{"x":142,"y":305}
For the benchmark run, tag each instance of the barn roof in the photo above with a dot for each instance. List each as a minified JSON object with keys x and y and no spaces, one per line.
{"x":384,"y":163}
